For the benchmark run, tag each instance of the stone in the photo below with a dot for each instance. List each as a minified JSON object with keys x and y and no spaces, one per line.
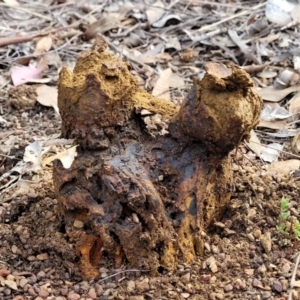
{"x":265,"y":295}
{"x":277,"y":286}
{"x":64,"y":291}
{"x":99,"y":289}
{"x":32,"y":292}
{"x":23,"y":282}
{"x":73,"y":296}
{"x":92,"y":293}
{"x":206,"y":277}
{"x":257,"y":283}
{"x":266,"y":241}
{"x":43,"y":294}
{"x":130,"y":286}
{"x":4,"y":272}
{"x":11,"y":284}
{"x":262,"y":269}
{"x":286,"y":268}
{"x":142,"y":286}
{"x":7,"y":292}
{"x":185,"y":295}
{"x":256,"y":233}
{"x":136,"y":298}
{"x":18,"y":297}
{"x":42,"y":256}
{"x":228,"y":288}
{"x":186,"y":277}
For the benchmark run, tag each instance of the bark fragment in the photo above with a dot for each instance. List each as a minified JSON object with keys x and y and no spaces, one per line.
{"x":147,"y":199}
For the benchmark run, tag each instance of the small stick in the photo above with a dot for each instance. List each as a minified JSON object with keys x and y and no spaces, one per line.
{"x":121,"y":272}
{"x":245,"y":12}
{"x":129,"y":57}
{"x":293,"y":277}
{"x":22,"y":39}
{"x":27,"y":11}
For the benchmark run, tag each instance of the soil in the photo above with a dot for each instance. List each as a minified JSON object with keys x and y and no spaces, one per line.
{"x":245,"y":256}
{"x":36,"y":254}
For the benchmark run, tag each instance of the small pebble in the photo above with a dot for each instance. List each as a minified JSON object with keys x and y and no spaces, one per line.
{"x":277,"y":286}
{"x":265,"y":295}
{"x":99,"y":289}
{"x":42,"y":256}
{"x":228,"y":288}
{"x":92,"y":293}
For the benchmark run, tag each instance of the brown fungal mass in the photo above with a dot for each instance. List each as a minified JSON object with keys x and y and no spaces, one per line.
{"x":147,"y":199}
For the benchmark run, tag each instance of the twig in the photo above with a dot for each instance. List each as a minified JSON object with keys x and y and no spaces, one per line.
{"x":7,"y":156}
{"x":27,"y":11}
{"x":22,"y":39}
{"x":129,"y":30}
{"x":129,"y":57}
{"x":293,"y":277}
{"x":121,"y":272}
{"x":252,"y":69}
{"x":285,"y":152}
{"x":245,"y":12}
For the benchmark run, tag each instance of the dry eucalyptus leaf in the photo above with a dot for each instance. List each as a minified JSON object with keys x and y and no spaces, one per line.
{"x":294,"y":105}
{"x":43,"y":45}
{"x":176,"y":81}
{"x":162,"y":86}
{"x":285,"y":79}
{"x":254,"y":143}
{"x":12,"y":2}
{"x":296,"y":62}
{"x":274,"y":95}
{"x":274,"y":113}
{"x":284,"y":167}
{"x":133,"y":40}
{"x":66,"y":157}
{"x":267,"y":74}
{"x":165,"y":19}
{"x":273,"y":124}
{"x":279,"y":11}
{"x":47,"y":96}
{"x":295,"y":146}
{"x":104,"y":24}
{"x":257,"y":26}
{"x":271,"y":152}
{"x":155,"y":11}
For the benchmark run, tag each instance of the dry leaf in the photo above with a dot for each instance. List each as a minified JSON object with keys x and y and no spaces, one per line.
{"x":295,"y":146}
{"x":273,"y":124}
{"x":155,"y":11}
{"x":32,"y":154}
{"x":274,"y":113}
{"x":47,"y":96}
{"x":21,"y":75}
{"x":296,"y":283}
{"x":271,"y":152}
{"x":176,"y":81}
{"x":254,"y":143}
{"x":43,"y":45}
{"x":161,"y":88}
{"x":279,"y":11}
{"x":274,"y":95}
{"x":242,"y":45}
{"x":104,"y":24}
{"x":267,"y":74}
{"x":66,"y":157}
{"x":163,"y":21}
{"x":294,"y":105}
{"x":12,"y":2}
{"x":283,"y":167}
